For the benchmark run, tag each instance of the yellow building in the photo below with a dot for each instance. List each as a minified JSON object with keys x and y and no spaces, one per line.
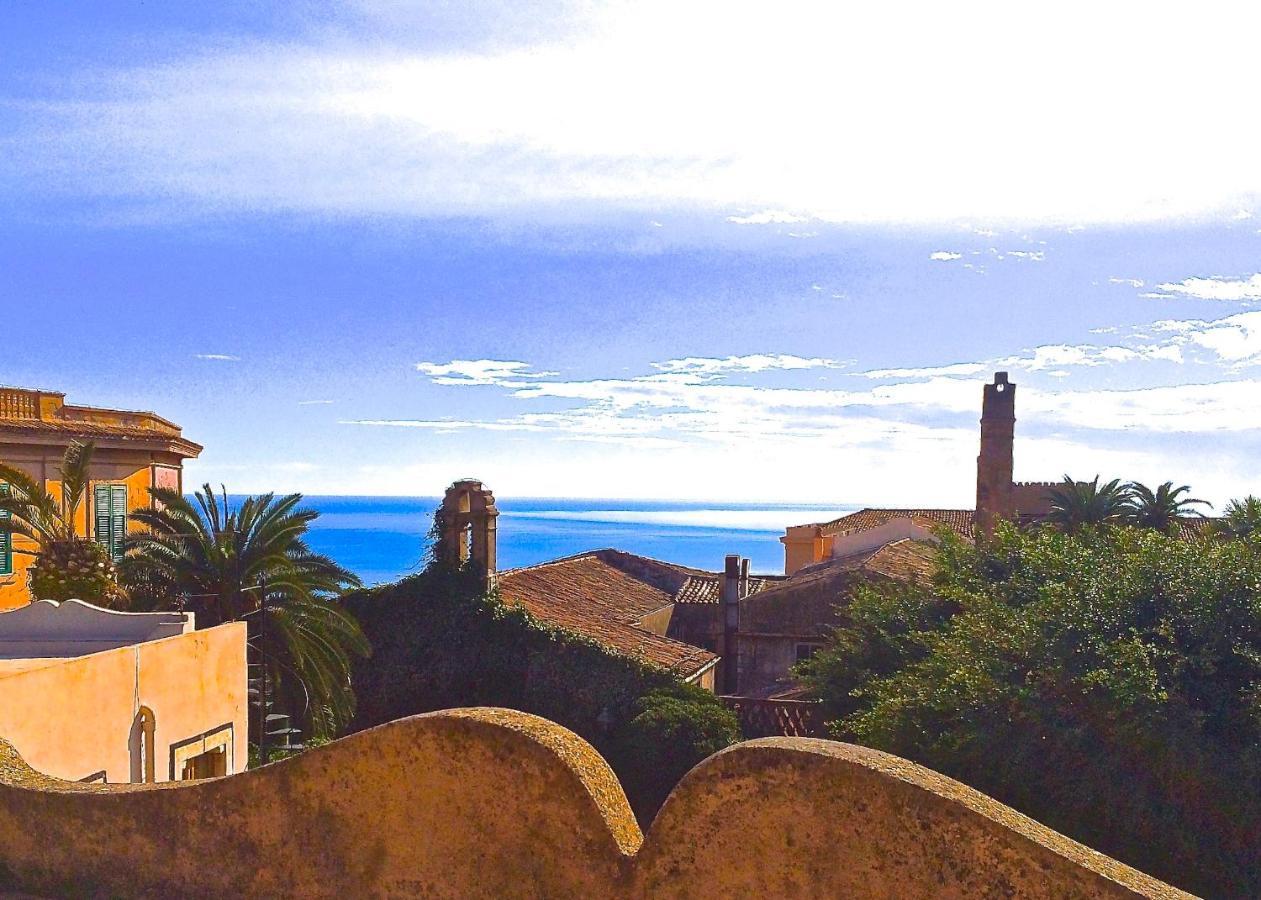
{"x":134,"y":452}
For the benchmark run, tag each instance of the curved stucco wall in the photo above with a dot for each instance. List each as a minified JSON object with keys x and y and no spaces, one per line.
{"x":489,"y":802}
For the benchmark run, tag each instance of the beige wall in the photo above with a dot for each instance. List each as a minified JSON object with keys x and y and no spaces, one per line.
{"x":77,"y":717}
{"x":494,"y":803}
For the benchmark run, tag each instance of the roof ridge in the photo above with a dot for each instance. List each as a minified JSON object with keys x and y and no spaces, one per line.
{"x":552,"y":562}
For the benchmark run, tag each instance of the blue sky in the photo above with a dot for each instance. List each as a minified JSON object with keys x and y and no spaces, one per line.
{"x":683,"y":250}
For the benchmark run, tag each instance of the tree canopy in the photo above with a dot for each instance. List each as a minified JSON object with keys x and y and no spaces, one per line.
{"x":1106,"y":682}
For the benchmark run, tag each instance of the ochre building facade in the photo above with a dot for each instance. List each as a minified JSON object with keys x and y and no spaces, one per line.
{"x":135,"y":451}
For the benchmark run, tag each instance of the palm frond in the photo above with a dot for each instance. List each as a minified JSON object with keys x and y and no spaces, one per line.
{"x":75,"y":465}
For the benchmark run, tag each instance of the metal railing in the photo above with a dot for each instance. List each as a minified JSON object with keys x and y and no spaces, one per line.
{"x":777,"y":718}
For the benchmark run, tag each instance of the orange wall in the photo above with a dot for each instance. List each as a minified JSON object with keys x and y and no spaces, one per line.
{"x":76,"y":717}
{"x":133,"y":468}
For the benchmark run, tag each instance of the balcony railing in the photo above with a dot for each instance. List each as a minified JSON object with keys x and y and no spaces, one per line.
{"x":18,"y":404}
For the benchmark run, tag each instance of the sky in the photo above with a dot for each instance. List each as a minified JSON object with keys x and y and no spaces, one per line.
{"x":693,"y":251}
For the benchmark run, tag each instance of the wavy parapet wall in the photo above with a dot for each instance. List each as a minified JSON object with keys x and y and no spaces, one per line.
{"x":491,"y":802}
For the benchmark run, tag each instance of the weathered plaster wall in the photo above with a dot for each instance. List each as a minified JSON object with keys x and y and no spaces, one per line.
{"x":76,"y":717}
{"x":487,"y":802}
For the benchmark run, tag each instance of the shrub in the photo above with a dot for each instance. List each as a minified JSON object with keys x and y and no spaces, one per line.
{"x":440,"y":642}
{"x":670,"y":732}
{"x":76,"y":569}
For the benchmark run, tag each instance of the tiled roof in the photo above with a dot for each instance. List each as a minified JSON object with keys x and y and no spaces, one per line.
{"x":592,"y":594}
{"x":1194,"y":526}
{"x":708,"y":588}
{"x":805,"y":604}
{"x":958,"y":520}
{"x":70,"y":428}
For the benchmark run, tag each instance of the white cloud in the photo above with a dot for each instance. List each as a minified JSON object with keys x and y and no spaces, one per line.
{"x":315,"y":402}
{"x":219,"y":357}
{"x":1218,"y":287}
{"x":1235,"y":340}
{"x":768,"y":217}
{"x":1132,"y":282}
{"x":944,"y":255}
{"x":755,"y":362}
{"x":608,"y":117}
{"x":1228,"y":406}
{"x":479,"y":371}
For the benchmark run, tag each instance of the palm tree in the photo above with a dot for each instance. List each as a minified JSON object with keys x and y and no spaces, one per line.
{"x":1240,"y":518}
{"x":214,"y":559}
{"x":1075,"y":504}
{"x":67,"y":565}
{"x":1161,"y":508}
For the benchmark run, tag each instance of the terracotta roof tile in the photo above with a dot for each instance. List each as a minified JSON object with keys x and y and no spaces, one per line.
{"x":958,"y":520}
{"x":592,"y":594}
{"x":805,"y":604}
{"x":708,"y":588}
{"x":71,"y":428}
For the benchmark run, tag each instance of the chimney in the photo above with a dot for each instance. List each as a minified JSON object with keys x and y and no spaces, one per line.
{"x":731,"y":584}
{"x":469,"y":529}
{"x":994,"y":464}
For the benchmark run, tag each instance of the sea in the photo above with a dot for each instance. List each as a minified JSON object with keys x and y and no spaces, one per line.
{"x":382,"y":539}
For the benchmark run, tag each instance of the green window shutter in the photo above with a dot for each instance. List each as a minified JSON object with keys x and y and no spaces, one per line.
{"x":6,"y":538}
{"x":118,"y":521}
{"x":100,"y":510}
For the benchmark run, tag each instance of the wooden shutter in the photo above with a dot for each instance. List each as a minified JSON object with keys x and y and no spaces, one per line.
{"x":118,"y":520}
{"x":100,"y":509}
{"x":6,"y":538}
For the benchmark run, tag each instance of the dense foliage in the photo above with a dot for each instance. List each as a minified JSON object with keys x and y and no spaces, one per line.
{"x":439,"y":641}
{"x":1240,"y":518}
{"x":66,"y":565}
{"x":216,"y":559}
{"x":1106,"y":682}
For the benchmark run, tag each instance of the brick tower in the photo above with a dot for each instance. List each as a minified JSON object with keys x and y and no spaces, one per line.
{"x":994,"y":464}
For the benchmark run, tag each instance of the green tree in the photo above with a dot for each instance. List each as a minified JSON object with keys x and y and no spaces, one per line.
{"x":1107,"y":683}
{"x":66,"y":565}
{"x":1160,"y":508}
{"x":214,"y":558}
{"x":670,"y":731}
{"x":1077,"y":504}
{"x":1240,"y":518}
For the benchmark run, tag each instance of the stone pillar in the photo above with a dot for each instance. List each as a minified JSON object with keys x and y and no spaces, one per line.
{"x":469,"y":529}
{"x":994,"y":464}
{"x":731,"y":625}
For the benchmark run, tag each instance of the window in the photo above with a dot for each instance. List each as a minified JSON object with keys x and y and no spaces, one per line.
{"x":111,"y":518}
{"x":211,"y":764}
{"x":6,"y":537}
{"x":805,"y":651}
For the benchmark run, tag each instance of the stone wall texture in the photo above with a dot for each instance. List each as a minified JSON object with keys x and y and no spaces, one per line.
{"x":496,"y":803}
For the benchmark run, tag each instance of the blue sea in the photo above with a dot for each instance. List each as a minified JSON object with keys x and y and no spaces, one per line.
{"x":381,"y":539}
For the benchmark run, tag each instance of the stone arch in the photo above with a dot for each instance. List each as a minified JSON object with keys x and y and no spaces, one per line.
{"x":468,"y":527}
